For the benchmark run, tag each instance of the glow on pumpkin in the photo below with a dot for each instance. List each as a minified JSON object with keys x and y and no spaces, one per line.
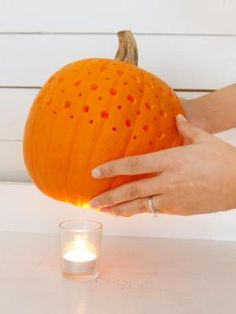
{"x":92,"y":111}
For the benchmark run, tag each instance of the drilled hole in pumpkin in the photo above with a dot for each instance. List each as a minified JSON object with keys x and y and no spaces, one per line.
{"x":72,"y":117}
{"x":77,"y":83}
{"x":62,"y":91}
{"x":80,"y":94}
{"x":163,"y":114}
{"x":146,"y":128}
{"x":119,"y":107}
{"x":103,"y":68}
{"x":107,"y":78}
{"x":100,"y":98}
{"x":150,"y":143}
{"x":155,"y":119}
{"x":67,"y":104}
{"x":114,"y":128}
{"x":128,"y":123}
{"x":148,"y":106}
{"x":120,"y":72}
{"x":113,"y":91}
{"x":54,"y":112}
{"x":91,"y":121}
{"x":141,"y":90}
{"x":89,"y":73}
{"x":134,"y":137}
{"x":157,"y":96}
{"x":131,"y":98}
{"x":138,"y":112}
{"x":85,"y":108}
{"x":104,"y":114}
{"x":125,"y":83}
{"x":94,"y":86}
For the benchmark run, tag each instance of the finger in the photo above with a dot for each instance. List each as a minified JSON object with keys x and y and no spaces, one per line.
{"x":165,"y":204}
{"x":139,"y":206}
{"x":190,"y":133}
{"x":128,"y":209}
{"x":162,"y":203}
{"x":130,"y":191}
{"x":133,"y":165}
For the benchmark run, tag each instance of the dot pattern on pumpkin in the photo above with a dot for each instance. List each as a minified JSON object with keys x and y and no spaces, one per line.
{"x":77,"y":83}
{"x":85,"y":108}
{"x":67,"y":104}
{"x":94,"y":87}
{"x":101,"y":110}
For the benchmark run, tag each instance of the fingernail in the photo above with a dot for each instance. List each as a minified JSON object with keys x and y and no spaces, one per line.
{"x":180,"y":118}
{"x":96,"y":173}
{"x":95,"y":203}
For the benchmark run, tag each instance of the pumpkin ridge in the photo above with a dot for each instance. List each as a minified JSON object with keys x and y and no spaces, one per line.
{"x":50,"y":149}
{"x":114,"y":183}
{"x":31,"y":154}
{"x":29,"y":125}
{"x":88,"y":161}
{"x":75,"y":133}
{"x":35,"y":142}
{"x":102,"y":128}
{"x":49,"y":140}
{"x":70,"y":152}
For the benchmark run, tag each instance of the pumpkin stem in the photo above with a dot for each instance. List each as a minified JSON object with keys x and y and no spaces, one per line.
{"x":127,"y":50}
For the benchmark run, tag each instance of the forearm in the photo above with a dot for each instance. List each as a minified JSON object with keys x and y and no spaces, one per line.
{"x":213,"y":112}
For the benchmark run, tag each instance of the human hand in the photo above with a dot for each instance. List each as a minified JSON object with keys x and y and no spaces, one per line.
{"x":194,"y":179}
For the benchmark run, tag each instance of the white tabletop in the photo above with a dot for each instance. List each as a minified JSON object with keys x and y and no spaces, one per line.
{"x":139,"y":275}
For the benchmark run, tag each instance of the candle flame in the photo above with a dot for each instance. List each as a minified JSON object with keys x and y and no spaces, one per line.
{"x":80,"y":250}
{"x":81,"y":243}
{"x":83,"y":205}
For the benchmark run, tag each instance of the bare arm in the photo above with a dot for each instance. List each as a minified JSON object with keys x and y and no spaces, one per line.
{"x":213,"y":112}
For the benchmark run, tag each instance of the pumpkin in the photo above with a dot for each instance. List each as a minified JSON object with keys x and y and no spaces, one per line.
{"x":92,"y":111}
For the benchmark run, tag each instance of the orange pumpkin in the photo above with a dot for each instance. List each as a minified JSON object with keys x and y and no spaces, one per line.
{"x":92,"y":111}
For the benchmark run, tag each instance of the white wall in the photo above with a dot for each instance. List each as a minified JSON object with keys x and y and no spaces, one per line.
{"x":190,"y":44}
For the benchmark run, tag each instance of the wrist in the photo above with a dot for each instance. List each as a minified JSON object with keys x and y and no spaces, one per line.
{"x":194,"y":114}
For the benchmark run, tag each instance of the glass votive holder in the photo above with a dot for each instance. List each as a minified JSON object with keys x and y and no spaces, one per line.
{"x":80,"y":244}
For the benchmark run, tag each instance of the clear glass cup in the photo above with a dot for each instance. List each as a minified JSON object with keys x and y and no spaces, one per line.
{"x":80,"y":245}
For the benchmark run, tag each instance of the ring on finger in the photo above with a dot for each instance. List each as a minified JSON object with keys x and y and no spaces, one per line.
{"x":152,"y":206}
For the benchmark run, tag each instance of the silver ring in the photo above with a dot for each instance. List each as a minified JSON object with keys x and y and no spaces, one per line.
{"x":151,"y":206}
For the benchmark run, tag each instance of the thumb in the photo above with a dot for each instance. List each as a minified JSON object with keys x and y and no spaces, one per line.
{"x":190,"y":133}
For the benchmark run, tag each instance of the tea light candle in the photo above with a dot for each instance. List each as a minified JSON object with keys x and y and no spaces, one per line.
{"x":80,"y":249}
{"x":81,"y":258}
{"x":79,"y":261}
